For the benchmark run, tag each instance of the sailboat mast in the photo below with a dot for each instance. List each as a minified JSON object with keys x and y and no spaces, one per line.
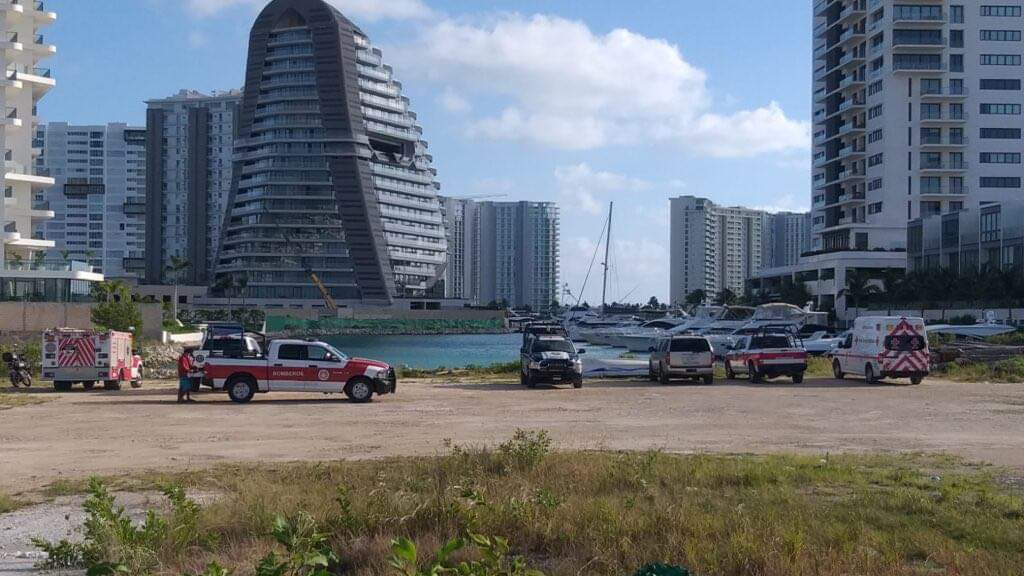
{"x":607,"y":246}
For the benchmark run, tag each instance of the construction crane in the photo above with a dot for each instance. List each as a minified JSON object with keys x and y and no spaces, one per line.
{"x":313,"y":276}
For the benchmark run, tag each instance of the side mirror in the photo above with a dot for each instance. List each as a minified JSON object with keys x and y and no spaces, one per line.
{"x":581,"y":351}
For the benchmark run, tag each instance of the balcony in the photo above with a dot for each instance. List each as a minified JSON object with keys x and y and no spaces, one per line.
{"x":844,"y":199}
{"x":850,"y":13}
{"x":11,"y":118}
{"x":910,"y":67}
{"x":850,"y":128}
{"x":851,"y":81}
{"x":135,"y":207}
{"x":849,"y":105}
{"x":918,"y":19}
{"x":960,"y":117}
{"x":945,"y":93}
{"x":40,"y":46}
{"x":919,"y":43}
{"x":851,"y":152}
{"x":943,"y":167}
{"x":41,"y":79}
{"x":850,"y":35}
{"x":944,"y":142}
{"x":944,"y":192}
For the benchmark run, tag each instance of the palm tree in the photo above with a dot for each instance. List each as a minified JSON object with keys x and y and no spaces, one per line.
{"x":243,"y":286}
{"x":859,"y":288}
{"x":696,"y":297}
{"x":175,"y":268}
{"x":894,"y":282}
{"x":224,"y":286}
{"x":726,"y":297}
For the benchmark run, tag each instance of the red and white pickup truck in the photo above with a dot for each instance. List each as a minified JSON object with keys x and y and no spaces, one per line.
{"x":298,"y":366}
{"x":764,"y":356}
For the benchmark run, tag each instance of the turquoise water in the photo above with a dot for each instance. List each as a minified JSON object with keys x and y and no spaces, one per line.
{"x":450,"y":351}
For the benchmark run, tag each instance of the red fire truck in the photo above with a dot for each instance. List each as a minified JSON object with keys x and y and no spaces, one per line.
{"x":87,"y":356}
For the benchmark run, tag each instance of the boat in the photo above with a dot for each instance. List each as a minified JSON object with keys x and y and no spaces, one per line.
{"x":704,"y":318}
{"x":985,"y":328}
{"x":626,"y":338}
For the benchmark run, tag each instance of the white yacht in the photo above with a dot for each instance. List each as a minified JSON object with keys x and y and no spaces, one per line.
{"x":626,"y":338}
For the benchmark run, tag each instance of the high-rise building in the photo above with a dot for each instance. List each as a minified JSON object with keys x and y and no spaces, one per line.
{"x":332,"y":174}
{"x":189,"y":147}
{"x":518,"y":253}
{"x":785,"y":236}
{"x":712,"y":248}
{"x":99,"y":196}
{"x":27,"y":273}
{"x":462,"y":228}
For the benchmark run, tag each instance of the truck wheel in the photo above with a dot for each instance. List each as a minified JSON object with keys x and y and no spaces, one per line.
{"x":755,"y":376}
{"x":112,"y":385}
{"x":359,"y":390}
{"x":915,"y":380}
{"x":241,"y":389}
{"x":531,"y":382}
{"x":869,"y":374}
{"x":663,"y":375}
{"x":709,"y":380}
{"x":798,"y":378}
{"x":88,"y":385}
{"x":651,"y":376}
{"x":522,"y":379}
{"x":837,"y":370}
{"x":578,"y":383}
{"x":729,"y":374}
{"x":62,"y":386}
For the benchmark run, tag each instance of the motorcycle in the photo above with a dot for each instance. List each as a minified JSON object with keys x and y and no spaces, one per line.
{"x":17,"y":370}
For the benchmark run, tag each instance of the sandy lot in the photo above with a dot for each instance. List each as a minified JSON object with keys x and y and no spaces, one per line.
{"x":78,"y":434}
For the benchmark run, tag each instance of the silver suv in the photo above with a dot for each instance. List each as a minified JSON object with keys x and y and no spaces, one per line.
{"x":682,"y":357}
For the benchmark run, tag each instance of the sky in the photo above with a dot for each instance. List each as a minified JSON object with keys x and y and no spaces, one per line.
{"x":582,"y":103}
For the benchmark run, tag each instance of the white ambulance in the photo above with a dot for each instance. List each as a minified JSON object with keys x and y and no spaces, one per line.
{"x":883,"y":347}
{"x":87,"y":356}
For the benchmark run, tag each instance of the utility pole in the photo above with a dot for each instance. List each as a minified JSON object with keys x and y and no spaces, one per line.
{"x":607,"y":246}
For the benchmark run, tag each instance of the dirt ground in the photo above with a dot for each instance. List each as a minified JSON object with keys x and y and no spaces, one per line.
{"x":78,"y":434}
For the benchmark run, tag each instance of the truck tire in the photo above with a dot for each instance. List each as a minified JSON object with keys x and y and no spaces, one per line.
{"x":522,"y":378}
{"x":578,"y":383}
{"x":359,"y":390}
{"x":62,"y":386}
{"x":241,"y":389}
{"x":663,"y":375}
{"x":531,"y":382}
{"x":798,"y":378}
{"x":709,"y":380}
{"x":89,"y":385}
{"x":837,"y":370}
{"x":869,"y":374}
{"x":755,"y":376}
{"x":112,"y":385}
{"x":651,"y":376}
{"x":915,"y":380}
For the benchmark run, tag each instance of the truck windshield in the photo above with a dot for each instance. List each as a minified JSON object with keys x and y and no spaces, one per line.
{"x":690,"y":345}
{"x":775,"y":341}
{"x":337,"y":353}
{"x":554,"y":346}
{"x":904,"y":343}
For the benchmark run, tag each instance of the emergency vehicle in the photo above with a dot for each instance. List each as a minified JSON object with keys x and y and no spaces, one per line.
{"x":298,"y":366}
{"x":883,"y":347}
{"x":87,"y":356}
{"x":766,"y":355}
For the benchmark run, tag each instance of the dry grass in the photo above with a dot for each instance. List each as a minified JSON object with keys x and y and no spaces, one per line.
{"x":10,"y":400}
{"x":609,"y":513}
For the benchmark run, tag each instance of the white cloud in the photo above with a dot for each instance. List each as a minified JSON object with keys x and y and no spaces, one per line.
{"x":452,"y":101}
{"x":197,"y":39}
{"x":786,"y":203}
{"x":580,"y":184}
{"x":569,"y":88}
{"x":365,"y":10}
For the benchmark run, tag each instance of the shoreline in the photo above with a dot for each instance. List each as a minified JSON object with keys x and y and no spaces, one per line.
{"x":384,"y":332}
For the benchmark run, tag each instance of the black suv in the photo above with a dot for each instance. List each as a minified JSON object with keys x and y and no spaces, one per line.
{"x":550,"y":359}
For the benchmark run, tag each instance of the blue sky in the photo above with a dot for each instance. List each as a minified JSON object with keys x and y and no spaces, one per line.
{"x":577,"y":102}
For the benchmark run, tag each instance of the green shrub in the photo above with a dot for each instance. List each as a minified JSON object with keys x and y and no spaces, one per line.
{"x":526,"y":449}
{"x":493,"y":552}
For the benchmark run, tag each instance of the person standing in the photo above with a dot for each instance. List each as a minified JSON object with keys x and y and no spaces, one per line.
{"x":184,"y":379}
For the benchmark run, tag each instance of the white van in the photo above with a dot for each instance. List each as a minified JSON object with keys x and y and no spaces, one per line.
{"x":883,"y":347}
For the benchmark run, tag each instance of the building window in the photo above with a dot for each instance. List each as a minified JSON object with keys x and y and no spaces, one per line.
{"x":1000,"y":83}
{"x":956,"y":62}
{"x":875,"y":135}
{"x":931,"y":86}
{"x":930,"y":184}
{"x":1000,"y":182}
{"x":1001,"y":35}
{"x":990,"y":226}
{"x":1000,"y":109}
{"x":1000,"y":158}
{"x":875,"y":111}
{"x":875,"y":184}
{"x":875,"y":160}
{"x":916,"y":12}
{"x":1001,"y":11}
{"x":1000,"y":59}
{"x":931,"y":111}
{"x":956,"y":38}
{"x":874,"y":208}
{"x":1001,"y":133}
{"x":875,"y":88}
{"x":918,"y":62}
{"x":956,"y":14}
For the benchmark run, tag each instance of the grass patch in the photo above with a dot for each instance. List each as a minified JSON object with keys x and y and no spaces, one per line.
{"x":1004,"y":371}
{"x":501,"y":369}
{"x":600,"y":513}
{"x":9,"y":400}
{"x":9,"y":503}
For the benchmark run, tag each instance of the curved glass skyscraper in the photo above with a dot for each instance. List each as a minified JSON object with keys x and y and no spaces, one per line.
{"x":331,"y":173}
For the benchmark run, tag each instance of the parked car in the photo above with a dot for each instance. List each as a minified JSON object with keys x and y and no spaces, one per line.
{"x":682,"y":357}
{"x":299,"y":366}
{"x":765,"y":356}
{"x":550,"y":359}
{"x":883,"y":347}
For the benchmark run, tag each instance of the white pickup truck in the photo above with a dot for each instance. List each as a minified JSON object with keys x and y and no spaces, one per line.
{"x":297,"y":366}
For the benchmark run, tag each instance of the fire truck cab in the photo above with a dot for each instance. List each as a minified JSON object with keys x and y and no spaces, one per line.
{"x":298,"y":366}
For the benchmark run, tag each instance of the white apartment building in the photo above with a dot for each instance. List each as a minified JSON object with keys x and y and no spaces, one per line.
{"x":190,"y":151}
{"x":917,"y":112}
{"x":99,"y":195}
{"x":27,"y":273}
{"x":785,"y":237}
{"x":712,"y":247}
{"x":462,"y":229}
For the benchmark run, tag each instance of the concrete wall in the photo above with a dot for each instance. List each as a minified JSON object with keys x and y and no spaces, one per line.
{"x":937,"y":316}
{"x":39,"y":316}
{"x":388,"y":314}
